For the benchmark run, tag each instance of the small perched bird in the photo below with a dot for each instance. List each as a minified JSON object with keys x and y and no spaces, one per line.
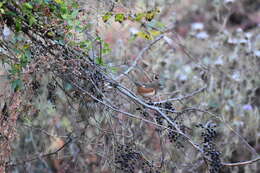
{"x":148,"y":89}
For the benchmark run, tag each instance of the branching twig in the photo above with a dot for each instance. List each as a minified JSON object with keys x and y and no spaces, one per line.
{"x":139,"y":56}
{"x":183,"y":97}
{"x":43,"y":131}
{"x":43,"y":155}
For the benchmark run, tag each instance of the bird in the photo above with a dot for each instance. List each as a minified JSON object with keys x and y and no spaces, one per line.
{"x":147,"y":89}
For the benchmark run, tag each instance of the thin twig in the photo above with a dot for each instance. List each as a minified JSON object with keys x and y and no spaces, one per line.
{"x":242,"y":163}
{"x":183,"y":97}
{"x":250,"y":148}
{"x":43,"y":155}
{"x":44,"y":131}
{"x":139,"y":56}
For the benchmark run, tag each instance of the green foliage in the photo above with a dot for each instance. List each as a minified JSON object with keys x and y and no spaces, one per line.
{"x":100,"y":61}
{"x":16,"y":84}
{"x":149,"y":35}
{"x":18,"y":25}
{"x":105,"y":48}
{"x":86,"y":45}
{"x":120,"y":17}
{"x":60,"y":14}
{"x":142,"y":18}
{"x":107,"y":16}
{"x":138,"y":17}
{"x":2,"y":10}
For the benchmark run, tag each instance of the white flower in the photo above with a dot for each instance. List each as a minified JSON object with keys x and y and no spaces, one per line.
{"x":133,"y":31}
{"x":197,"y":26}
{"x":202,"y":35}
{"x":6,"y":32}
{"x":257,"y":53}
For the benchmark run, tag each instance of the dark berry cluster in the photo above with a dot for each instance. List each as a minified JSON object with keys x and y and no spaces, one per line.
{"x":143,"y":111}
{"x":98,"y":79}
{"x":167,"y":107}
{"x":129,"y":160}
{"x":35,"y":86}
{"x":210,"y":150}
{"x":76,"y":94}
{"x":51,"y":93}
{"x":150,"y":103}
{"x":159,"y":119}
{"x":175,"y":136}
{"x":96,"y":86}
{"x":209,"y":134}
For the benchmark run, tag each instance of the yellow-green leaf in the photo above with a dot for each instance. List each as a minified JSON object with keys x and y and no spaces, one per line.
{"x":107,"y":16}
{"x":50,"y":34}
{"x":28,"y":5}
{"x":17,"y":67}
{"x":119,"y":17}
{"x":32,"y":20}
{"x":139,"y":16}
{"x":131,"y":17}
{"x":59,"y":1}
{"x":154,"y":32}
{"x":144,"y":35}
{"x":26,"y":46}
{"x":150,"y":14}
{"x":2,"y":11}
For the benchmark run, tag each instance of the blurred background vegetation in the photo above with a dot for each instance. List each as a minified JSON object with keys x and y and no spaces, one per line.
{"x":221,"y":36}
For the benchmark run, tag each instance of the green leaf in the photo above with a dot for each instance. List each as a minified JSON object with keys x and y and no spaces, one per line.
{"x":23,"y":60}
{"x":50,"y":34}
{"x":65,"y":16}
{"x":114,"y":69}
{"x":139,"y":16}
{"x":18,"y":25}
{"x":100,"y":61}
{"x":106,"y":49}
{"x":16,"y":84}
{"x":59,"y":1}
{"x":144,"y":35}
{"x":64,"y":9}
{"x":27,"y":5}
{"x":10,"y":13}
{"x":98,"y":39}
{"x":149,"y":15}
{"x":154,"y":33}
{"x":32,"y":20}
{"x":74,"y":14}
{"x":119,"y":17}
{"x":2,"y":11}
{"x":107,"y":16}
{"x":15,"y":68}
{"x":70,"y":22}
{"x":86,"y":44}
